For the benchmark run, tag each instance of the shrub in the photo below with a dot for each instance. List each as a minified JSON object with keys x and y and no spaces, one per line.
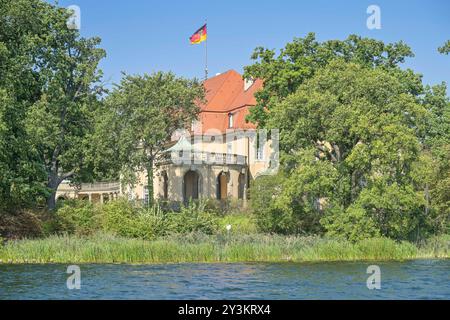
{"x":124,"y":219}
{"x":119,"y":217}
{"x":74,"y":217}
{"x":240,"y":224}
{"x":150,"y":223}
{"x":193,"y":218}
{"x":21,"y":224}
{"x":352,"y":224}
{"x":262,"y":197}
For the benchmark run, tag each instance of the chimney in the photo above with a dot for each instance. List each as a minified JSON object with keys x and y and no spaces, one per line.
{"x":248,"y":83}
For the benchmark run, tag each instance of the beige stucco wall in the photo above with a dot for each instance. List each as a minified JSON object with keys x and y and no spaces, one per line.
{"x":207,"y":187}
{"x":208,"y":173}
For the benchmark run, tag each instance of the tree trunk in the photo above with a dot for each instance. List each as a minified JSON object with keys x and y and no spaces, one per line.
{"x":150,"y":181}
{"x":52,"y":184}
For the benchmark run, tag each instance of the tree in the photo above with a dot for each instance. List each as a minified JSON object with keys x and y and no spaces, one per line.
{"x":23,"y":25}
{"x":48,"y":95}
{"x":436,"y":144}
{"x":300,"y":59}
{"x":141,"y":114}
{"x":59,"y":122}
{"x":350,"y":142}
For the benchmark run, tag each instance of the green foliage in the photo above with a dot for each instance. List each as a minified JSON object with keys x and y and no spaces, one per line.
{"x":396,"y":210}
{"x":353,"y":224}
{"x":355,"y":143}
{"x":445,"y":49}
{"x":76,"y":217}
{"x":125,"y":219}
{"x":22,"y":177}
{"x":102,"y":248}
{"x":140,"y":115}
{"x":243,"y":223}
{"x":435,"y":168}
{"x":263,"y":193}
{"x":193,"y":218}
{"x":300,"y":59}
{"x":49,"y":87}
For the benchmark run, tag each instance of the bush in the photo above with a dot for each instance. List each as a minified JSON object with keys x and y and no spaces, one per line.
{"x":240,"y":224}
{"x":21,"y":224}
{"x":74,"y":217}
{"x":124,"y":219}
{"x":263,"y":193}
{"x":150,"y":223}
{"x":193,"y":218}
{"x":352,"y":224}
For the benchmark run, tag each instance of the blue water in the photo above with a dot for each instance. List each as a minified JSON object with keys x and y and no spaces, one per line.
{"x":421,"y":279}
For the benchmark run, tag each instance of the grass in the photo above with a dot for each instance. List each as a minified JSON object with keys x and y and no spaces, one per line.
{"x":103,"y":248}
{"x":240,"y":224}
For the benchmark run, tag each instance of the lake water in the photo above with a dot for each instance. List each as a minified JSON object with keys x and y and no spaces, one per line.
{"x":420,"y":279}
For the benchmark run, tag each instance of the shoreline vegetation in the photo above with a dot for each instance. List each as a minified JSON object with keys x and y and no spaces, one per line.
{"x":120,"y":231}
{"x":221,"y":248}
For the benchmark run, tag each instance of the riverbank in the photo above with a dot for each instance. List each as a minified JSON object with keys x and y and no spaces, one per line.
{"x":103,"y":248}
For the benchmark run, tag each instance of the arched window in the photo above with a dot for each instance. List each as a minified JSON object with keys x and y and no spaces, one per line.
{"x":230,"y":120}
{"x":222,"y":186}
{"x":191,"y":185}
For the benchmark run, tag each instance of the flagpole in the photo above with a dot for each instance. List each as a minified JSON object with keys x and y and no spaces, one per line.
{"x":206,"y":51}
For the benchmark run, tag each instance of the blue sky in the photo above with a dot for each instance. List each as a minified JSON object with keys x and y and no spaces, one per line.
{"x":145,"y":35}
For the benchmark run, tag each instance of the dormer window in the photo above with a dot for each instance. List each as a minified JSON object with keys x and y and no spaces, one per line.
{"x":230,"y":120}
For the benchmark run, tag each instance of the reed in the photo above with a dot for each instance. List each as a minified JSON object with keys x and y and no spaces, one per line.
{"x":104,"y":248}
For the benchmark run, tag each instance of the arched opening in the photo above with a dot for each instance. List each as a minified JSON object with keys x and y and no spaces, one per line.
{"x":190,"y":185}
{"x":165,"y":185}
{"x":84,"y":197}
{"x":241,"y":186}
{"x":222,"y":186}
{"x":61,"y":199}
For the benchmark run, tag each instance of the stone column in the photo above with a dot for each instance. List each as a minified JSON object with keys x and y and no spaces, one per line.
{"x":244,"y":196}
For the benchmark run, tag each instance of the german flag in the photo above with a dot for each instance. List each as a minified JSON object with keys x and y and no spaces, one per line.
{"x":199,"y":35}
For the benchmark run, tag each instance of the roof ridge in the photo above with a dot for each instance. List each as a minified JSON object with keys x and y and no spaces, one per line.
{"x":226,"y":76}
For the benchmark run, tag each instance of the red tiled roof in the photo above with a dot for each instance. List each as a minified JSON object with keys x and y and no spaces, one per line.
{"x":225,"y":94}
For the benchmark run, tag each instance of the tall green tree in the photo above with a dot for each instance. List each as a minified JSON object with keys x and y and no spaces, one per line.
{"x":351,"y":142}
{"x":140,"y":115}
{"x":59,"y":122}
{"x":48,"y":95}
{"x":436,"y":148}
{"x":300,"y":59}
{"x":23,"y":24}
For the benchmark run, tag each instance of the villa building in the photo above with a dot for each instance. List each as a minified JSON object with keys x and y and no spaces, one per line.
{"x":217,"y":159}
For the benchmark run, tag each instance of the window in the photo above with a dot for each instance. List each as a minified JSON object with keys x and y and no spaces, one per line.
{"x":230,"y":120}
{"x":165,"y":185}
